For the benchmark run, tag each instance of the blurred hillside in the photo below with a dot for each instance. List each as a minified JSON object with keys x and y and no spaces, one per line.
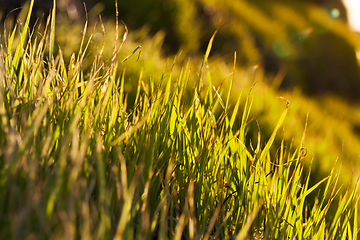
{"x":308,"y":42}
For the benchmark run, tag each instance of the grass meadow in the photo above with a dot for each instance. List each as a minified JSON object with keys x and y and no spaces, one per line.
{"x":111,"y":141}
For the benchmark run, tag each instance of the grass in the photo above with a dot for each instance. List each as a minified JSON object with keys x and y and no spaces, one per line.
{"x":79,"y":159}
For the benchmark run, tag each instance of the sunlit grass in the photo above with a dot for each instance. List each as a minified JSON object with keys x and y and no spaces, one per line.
{"x":79,"y":158}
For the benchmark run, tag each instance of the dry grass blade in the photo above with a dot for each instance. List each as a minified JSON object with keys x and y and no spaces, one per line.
{"x":52,"y":32}
{"x":116,"y":29}
{"x":103,"y":44}
{"x":128,"y":56}
{"x":250,"y":218}
{"x":125,"y":35}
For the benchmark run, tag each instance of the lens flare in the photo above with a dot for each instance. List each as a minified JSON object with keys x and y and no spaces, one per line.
{"x":335,"y":13}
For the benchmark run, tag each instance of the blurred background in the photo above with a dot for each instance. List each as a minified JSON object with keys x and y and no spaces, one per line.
{"x":306,"y":51}
{"x":308,"y":42}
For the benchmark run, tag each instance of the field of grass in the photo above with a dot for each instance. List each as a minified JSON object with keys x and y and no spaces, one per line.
{"x":110,"y":141}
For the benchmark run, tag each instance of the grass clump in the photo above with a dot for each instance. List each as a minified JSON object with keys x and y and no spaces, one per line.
{"x":77,"y":162}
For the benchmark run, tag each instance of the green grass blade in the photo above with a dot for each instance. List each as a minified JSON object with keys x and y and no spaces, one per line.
{"x":231,"y":83}
{"x":355,"y":226}
{"x":273,"y":135}
{"x":19,"y":49}
{"x":206,"y":56}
